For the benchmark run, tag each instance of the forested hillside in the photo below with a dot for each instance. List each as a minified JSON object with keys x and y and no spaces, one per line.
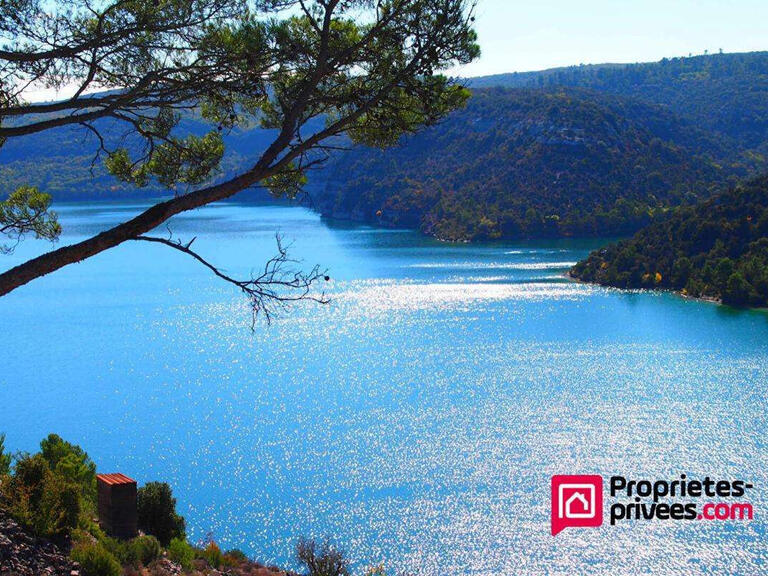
{"x":717,"y":249}
{"x":62,"y":162}
{"x":725,"y":93}
{"x":522,"y":163}
{"x":580,"y":151}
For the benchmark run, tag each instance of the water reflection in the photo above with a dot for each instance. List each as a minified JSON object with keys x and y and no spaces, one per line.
{"x":417,"y":418}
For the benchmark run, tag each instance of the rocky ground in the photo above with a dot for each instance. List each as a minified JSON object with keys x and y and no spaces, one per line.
{"x":165,"y":567}
{"x":24,"y":555}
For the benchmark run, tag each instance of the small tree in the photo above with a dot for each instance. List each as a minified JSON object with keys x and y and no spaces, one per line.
{"x":95,"y":560}
{"x":322,"y":560}
{"x":72,"y":464}
{"x":181,"y":552}
{"x":157,"y":513}
{"x":40,"y":500}
{"x":5,"y":459}
{"x":146,"y":549}
{"x":737,"y":290}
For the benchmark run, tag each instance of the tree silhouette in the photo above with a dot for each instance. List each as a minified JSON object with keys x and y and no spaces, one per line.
{"x":366,"y":68}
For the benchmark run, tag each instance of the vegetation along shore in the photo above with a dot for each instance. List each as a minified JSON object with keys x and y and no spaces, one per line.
{"x":49,"y":524}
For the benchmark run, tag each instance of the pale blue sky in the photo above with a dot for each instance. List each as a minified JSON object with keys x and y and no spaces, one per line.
{"x":518,"y":36}
{"x":522,"y":36}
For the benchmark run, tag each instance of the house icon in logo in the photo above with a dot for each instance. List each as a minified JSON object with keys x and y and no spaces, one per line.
{"x":578,"y":505}
{"x":577,"y":502}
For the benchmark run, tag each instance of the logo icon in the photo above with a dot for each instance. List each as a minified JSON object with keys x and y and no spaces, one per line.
{"x":577,"y":502}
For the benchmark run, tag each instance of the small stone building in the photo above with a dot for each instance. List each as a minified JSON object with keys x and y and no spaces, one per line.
{"x":117,"y":505}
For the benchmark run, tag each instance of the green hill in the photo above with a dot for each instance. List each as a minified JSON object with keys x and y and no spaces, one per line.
{"x":521,"y":163}
{"x":62,"y":162}
{"x":582,"y":151}
{"x":716,"y":249}
{"x":723,"y":93}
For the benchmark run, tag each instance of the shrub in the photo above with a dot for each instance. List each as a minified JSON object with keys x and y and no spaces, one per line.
{"x":5,"y":459}
{"x":71,"y":463}
{"x":48,"y":491}
{"x":322,"y":560}
{"x":31,"y":474}
{"x":96,"y":560}
{"x":124,"y":552}
{"x":157,"y":512}
{"x":41,"y":501}
{"x":60,"y":507}
{"x":181,"y":552}
{"x":147,"y":549}
{"x":212,"y":554}
{"x":234,"y":557}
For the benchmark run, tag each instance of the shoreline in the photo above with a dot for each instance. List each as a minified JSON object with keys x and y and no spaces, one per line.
{"x":678,"y":293}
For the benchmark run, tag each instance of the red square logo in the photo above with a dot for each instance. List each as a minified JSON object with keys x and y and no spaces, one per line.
{"x":577,"y":502}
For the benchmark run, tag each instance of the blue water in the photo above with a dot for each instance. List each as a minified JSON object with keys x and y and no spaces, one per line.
{"x":416,"y":419}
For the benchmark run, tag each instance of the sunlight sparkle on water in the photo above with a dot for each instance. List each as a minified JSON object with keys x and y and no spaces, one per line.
{"x":417,"y":418}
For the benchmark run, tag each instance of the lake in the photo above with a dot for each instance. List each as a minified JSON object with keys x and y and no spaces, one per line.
{"x":416,"y":419}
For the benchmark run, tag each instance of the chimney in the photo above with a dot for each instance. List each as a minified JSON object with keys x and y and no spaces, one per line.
{"x":117,"y":505}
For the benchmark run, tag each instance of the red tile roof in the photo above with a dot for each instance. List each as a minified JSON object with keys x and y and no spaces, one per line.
{"x":115,"y":479}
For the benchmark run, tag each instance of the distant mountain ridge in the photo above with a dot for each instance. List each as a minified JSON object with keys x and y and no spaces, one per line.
{"x":727,"y":93}
{"x":643,"y":138}
{"x":62,"y":161}
{"x":581,"y":151}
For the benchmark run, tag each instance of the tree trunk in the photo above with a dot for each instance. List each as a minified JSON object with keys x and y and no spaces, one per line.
{"x":141,"y":224}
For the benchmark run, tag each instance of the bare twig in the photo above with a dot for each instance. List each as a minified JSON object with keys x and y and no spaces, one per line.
{"x":277,"y":287}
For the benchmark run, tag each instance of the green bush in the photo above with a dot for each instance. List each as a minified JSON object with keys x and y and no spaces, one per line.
{"x":49,"y":491}
{"x":71,"y":463}
{"x":125,"y":552}
{"x":147,"y":549}
{"x":181,"y":553}
{"x":96,"y":560}
{"x":5,"y":459}
{"x":60,"y":507}
{"x":89,"y":533}
{"x":234,"y":557}
{"x":40,"y":500}
{"x":212,"y":554}
{"x":31,"y":474}
{"x":157,"y":512}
